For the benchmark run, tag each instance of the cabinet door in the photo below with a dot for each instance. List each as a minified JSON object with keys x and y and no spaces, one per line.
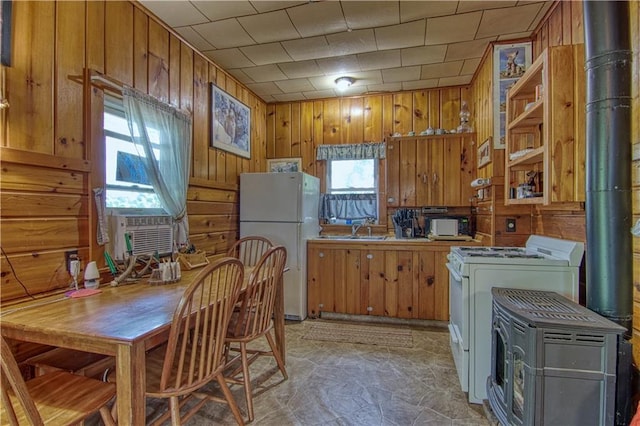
{"x":426,"y":303}
{"x":436,"y":171}
{"x":408,"y":172}
{"x":352,"y":293}
{"x":320,"y":271}
{"x":372,"y":281}
{"x":393,"y":172}
{"x":405,"y":275}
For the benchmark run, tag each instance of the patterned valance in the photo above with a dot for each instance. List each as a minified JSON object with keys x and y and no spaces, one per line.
{"x":356,"y":151}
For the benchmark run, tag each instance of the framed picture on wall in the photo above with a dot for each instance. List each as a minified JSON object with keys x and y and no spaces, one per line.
{"x":230,"y":123}
{"x":5,"y":32}
{"x":284,"y":165}
{"x":484,"y":153}
{"x":510,"y":61}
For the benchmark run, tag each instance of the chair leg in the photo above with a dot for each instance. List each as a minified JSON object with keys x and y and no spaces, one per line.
{"x":247,"y":380}
{"x":276,"y":354}
{"x":174,"y":406}
{"x":230,"y":400}
{"x":107,"y":418}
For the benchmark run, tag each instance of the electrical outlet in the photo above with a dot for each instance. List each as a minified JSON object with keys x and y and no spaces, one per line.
{"x":511,"y":225}
{"x":70,"y":255}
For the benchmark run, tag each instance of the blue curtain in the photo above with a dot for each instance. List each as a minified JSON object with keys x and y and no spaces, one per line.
{"x":349,"y":206}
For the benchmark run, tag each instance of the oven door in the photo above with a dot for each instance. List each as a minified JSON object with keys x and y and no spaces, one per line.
{"x":459,"y":348}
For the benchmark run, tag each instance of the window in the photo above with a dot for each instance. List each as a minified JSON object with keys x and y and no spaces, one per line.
{"x":352,"y":176}
{"x":127,"y":184}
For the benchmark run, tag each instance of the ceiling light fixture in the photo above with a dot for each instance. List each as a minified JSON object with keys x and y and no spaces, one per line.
{"x":343,"y":83}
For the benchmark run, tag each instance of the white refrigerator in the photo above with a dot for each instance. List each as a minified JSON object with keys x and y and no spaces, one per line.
{"x":283,"y":207}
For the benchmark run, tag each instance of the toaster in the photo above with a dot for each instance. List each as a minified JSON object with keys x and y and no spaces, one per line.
{"x":444,"y":227}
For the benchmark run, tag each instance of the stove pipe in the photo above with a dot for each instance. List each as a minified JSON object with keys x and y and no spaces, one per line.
{"x":608,"y":161}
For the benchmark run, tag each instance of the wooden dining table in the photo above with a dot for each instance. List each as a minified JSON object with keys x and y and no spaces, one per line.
{"x":122,"y":322}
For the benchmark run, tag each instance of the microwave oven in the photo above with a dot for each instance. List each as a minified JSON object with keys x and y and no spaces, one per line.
{"x":448,"y":225}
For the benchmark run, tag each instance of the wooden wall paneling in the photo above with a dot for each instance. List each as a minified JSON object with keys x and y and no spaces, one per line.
{"x":402,"y":113}
{"x":468,"y":161}
{"x":577,"y":30}
{"x":29,"y":204}
{"x":158,"y":61}
{"x":118,"y":36}
{"x":318,"y":134}
{"x":94,"y":35}
{"x":70,"y":57}
{"x":38,"y":272}
{"x":186,"y":78}
{"x":29,"y":79}
{"x":214,"y":243}
{"x":567,"y":22}
{"x":38,"y":234}
{"x":393,"y":165}
{"x":204,"y":224}
{"x":387,"y":116}
{"x":352,"y":120}
{"x":420,"y":111}
{"x":96,"y":153}
{"x":200,"y":149}
{"x":283,"y":131}
{"x":296,"y":145}
{"x":451,"y":178}
{"x":555,"y":23}
{"x":408,"y":172}
{"x":21,"y":177}
{"x":174,"y":70}
{"x":372,"y":119}
{"x":434,"y":109}
{"x":331,"y":130}
{"x":217,"y":157}
{"x":450,"y":108}
{"x":271,"y":131}
{"x":307,"y":151}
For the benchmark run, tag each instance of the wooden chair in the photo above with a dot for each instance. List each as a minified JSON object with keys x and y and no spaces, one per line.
{"x":58,"y":398}
{"x":194,"y":354}
{"x":250,"y":249}
{"x":253,"y":319}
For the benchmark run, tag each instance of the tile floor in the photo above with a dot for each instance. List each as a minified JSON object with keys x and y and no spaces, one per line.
{"x":355,"y":384}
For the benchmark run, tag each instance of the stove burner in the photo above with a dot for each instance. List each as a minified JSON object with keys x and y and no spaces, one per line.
{"x":498,"y":252}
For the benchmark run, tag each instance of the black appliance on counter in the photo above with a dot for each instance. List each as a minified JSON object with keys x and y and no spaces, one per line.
{"x":553,"y":362}
{"x":417,"y":222}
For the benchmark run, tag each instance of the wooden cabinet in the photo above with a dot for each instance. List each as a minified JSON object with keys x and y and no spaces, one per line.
{"x":544,"y":146}
{"x":430,"y":170}
{"x":364,"y":279}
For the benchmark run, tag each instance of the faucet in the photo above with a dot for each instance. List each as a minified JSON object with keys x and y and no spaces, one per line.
{"x":354,"y":228}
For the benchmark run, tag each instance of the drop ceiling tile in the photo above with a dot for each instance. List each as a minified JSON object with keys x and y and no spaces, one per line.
{"x":400,"y":36}
{"x":267,"y":88}
{"x":289,"y":97}
{"x":412,"y":10}
{"x":367,"y":77}
{"x":339,"y":64}
{"x":467,"y":49}
{"x":473,"y":5}
{"x":267,"y":98}
{"x":268,"y":27}
{"x":420,"y":84}
{"x":175,"y":13}
{"x":451,"y":29}
{"x":301,"y":69}
{"x":352,"y":91}
{"x":263,"y":54}
{"x":295,"y":85}
{"x":379,"y":60}
{"x":319,"y":18}
{"x":387,"y":87}
{"x":195,"y":39}
{"x":369,"y":14}
{"x":224,"y":34}
{"x":423,"y":55}
{"x":241,"y":76}
{"x":470,"y":66}
{"x":229,"y":58}
{"x":268,"y":6}
{"x":395,"y":75}
{"x":318,"y":94}
{"x":455,"y":81}
{"x":440,"y":70}
{"x":308,"y":48}
{"x":265,"y":73}
{"x":508,"y":20}
{"x":217,"y":10}
{"x":541,"y":14}
{"x":350,"y":42}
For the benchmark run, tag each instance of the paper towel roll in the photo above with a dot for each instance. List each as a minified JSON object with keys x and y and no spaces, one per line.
{"x":480,"y":182}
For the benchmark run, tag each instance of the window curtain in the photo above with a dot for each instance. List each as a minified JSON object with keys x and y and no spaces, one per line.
{"x":169,"y":171}
{"x":356,"y":151}
{"x":350,"y":206}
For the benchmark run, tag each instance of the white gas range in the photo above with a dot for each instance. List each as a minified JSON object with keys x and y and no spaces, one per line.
{"x":543,"y":264}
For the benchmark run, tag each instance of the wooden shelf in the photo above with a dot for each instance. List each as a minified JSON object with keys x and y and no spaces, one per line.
{"x":531,"y":117}
{"x":533,"y":157}
{"x":531,"y":200}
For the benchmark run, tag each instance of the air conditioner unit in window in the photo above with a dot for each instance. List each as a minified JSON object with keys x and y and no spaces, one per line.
{"x":147,"y":235}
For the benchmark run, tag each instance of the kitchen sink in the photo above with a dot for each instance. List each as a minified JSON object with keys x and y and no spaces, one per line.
{"x":353,"y":237}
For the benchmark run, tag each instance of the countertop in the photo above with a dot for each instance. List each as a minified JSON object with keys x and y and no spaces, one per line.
{"x":392,"y":241}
